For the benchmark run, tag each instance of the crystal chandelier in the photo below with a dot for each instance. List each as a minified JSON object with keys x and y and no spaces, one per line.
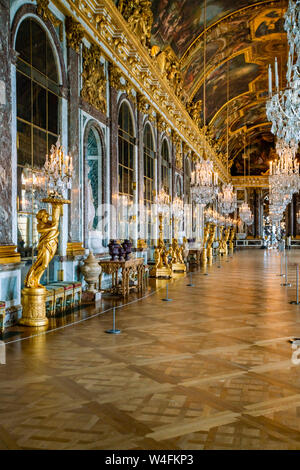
{"x":204,"y":182}
{"x":245,"y":214}
{"x":283,"y":107}
{"x":58,"y":170}
{"x":227,"y":199}
{"x":163,"y":202}
{"x":177,"y":207}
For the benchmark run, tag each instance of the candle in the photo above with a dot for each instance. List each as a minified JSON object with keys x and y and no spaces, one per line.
{"x":276,"y":75}
{"x":270,"y":168}
{"x":270,"y":79}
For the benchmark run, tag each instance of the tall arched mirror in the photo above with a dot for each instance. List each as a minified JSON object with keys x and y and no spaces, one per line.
{"x":38,"y":124}
{"x":149,"y":179}
{"x":126,"y":142}
{"x":93,"y":191}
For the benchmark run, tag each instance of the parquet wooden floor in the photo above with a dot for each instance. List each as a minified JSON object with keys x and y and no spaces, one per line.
{"x":210,"y":370}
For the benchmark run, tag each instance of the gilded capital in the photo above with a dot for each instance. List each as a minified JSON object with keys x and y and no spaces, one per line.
{"x":74,"y":33}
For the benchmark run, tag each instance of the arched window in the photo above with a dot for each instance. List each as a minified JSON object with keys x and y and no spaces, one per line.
{"x":165,"y":167}
{"x":38,"y":122}
{"x":149,"y":169}
{"x":126,"y":142}
{"x":93,"y":181}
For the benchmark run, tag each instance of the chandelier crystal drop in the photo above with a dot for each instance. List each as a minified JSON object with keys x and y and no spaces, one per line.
{"x":204,"y":182}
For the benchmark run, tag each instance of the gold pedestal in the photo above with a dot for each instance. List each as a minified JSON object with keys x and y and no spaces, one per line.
{"x":34,"y":307}
{"x":179,"y":267}
{"x":160,"y":272}
{"x":204,"y":257}
{"x":210,"y":256}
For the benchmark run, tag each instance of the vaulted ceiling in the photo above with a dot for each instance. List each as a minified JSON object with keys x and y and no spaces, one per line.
{"x":242,"y":38}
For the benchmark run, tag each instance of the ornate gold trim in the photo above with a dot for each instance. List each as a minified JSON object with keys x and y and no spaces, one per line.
{"x":105,"y":25}
{"x":9,"y":255}
{"x":75,"y":249}
{"x":74,"y":33}
{"x":241,"y":182}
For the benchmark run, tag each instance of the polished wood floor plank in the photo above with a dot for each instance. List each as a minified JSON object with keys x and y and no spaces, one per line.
{"x":210,"y":370}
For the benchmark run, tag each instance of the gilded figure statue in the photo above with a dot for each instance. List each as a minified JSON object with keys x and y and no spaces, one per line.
{"x":48,"y":230}
{"x":176,"y":252}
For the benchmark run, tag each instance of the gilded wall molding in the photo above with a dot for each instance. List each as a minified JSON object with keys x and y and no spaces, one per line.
{"x":241,"y":182}
{"x":44,"y":12}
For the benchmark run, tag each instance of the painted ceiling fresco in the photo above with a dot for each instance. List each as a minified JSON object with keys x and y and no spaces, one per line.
{"x":242,"y":37}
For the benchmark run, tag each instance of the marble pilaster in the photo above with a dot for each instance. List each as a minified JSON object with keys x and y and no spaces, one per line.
{"x":6,"y":209}
{"x":75,"y":230}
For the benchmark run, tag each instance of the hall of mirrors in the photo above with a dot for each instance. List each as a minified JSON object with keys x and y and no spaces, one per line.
{"x":142,"y":143}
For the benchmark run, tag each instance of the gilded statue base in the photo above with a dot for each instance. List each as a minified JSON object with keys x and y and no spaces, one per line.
{"x":204,"y":257}
{"x":178,"y":267}
{"x":34,"y":307}
{"x":160,"y":272}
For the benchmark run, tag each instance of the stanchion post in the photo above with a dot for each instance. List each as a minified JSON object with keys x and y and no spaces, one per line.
{"x":167,"y":296}
{"x":114,"y":331}
{"x":191,"y":280}
{"x":286,"y":284}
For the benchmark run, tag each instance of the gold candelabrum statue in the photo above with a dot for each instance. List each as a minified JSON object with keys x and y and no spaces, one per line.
{"x":161,"y":254}
{"x":224,"y":246}
{"x":231,"y":239}
{"x":58,"y":170}
{"x":176,"y":251}
{"x":205,"y":240}
{"x":211,"y":239}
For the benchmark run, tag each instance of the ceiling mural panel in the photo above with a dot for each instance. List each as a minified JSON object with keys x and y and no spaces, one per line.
{"x":241,"y":74}
{"x":179,"y":22}
{"x":247,"y":35}
{"x":259,"y":153}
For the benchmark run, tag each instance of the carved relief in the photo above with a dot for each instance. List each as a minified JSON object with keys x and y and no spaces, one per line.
{"x":139,"y":16}
{"x":194,"y":109}
{"x":114,"y":76}
{"x":94,"y":80}
{"x":74,"y":33}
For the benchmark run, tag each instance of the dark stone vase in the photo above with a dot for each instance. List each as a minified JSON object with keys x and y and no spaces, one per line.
{"x":121,"y":253}
{"x":114,"y":247}
{"x":127,"y":246}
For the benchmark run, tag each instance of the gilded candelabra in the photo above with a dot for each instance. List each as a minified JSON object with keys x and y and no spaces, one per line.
{"x":176,"y":251}
{"x":58,"y":171}
{"x":161,"y":254}
{"x":231,"y":239}
{"x":205,"y":240}
{"x":211,"y":239}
